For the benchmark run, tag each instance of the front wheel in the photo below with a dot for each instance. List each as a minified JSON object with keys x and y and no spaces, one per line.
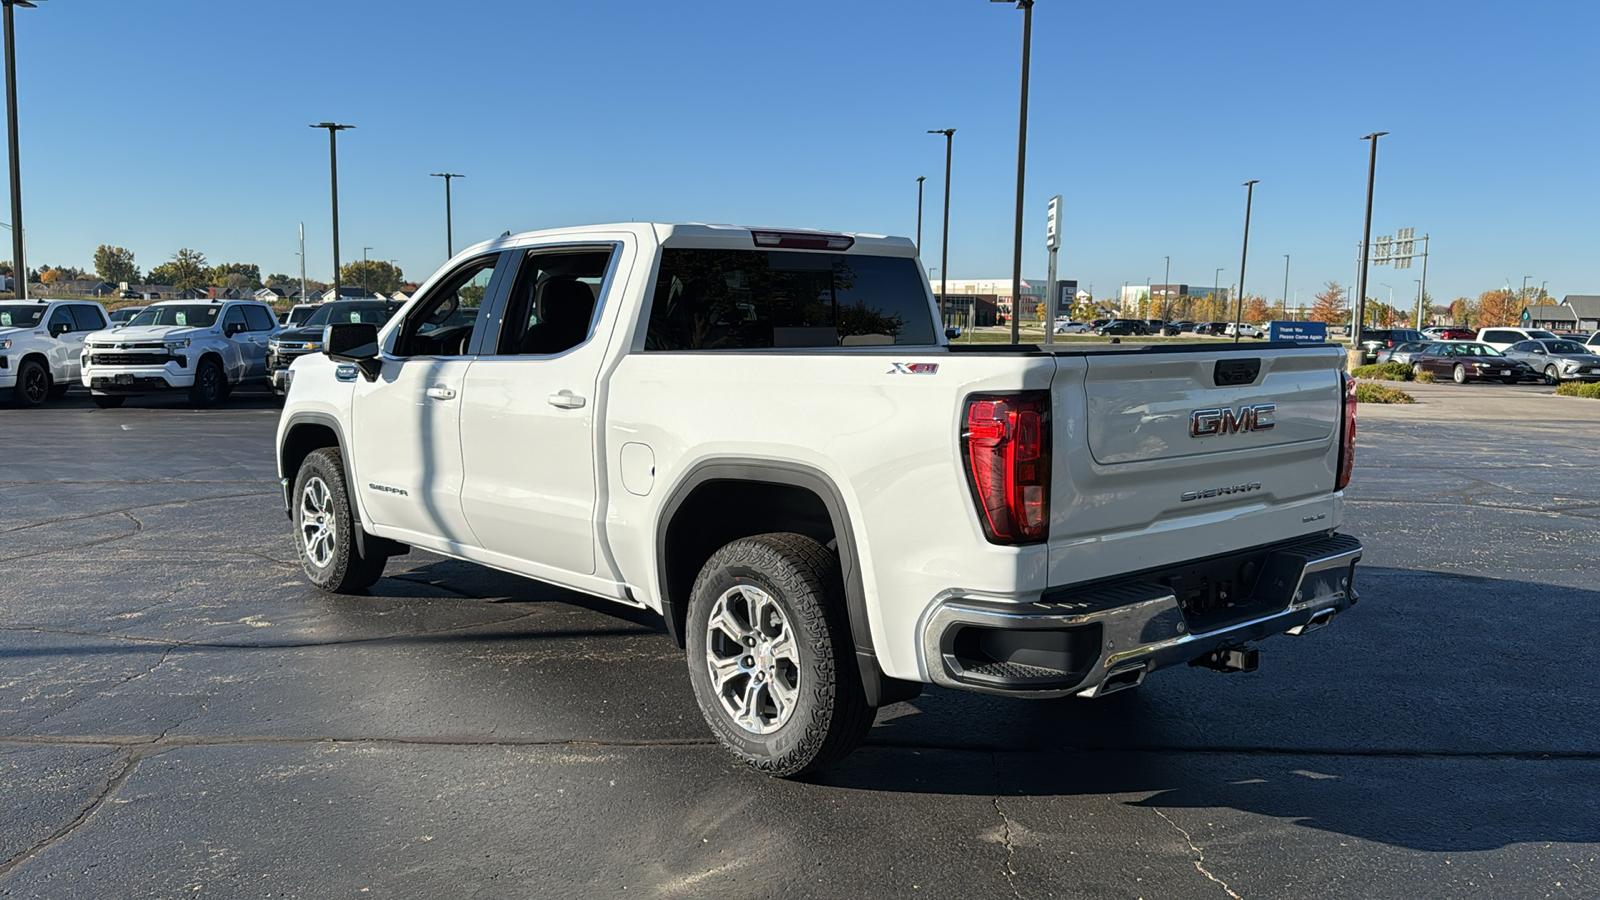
{"x":210,"y":384}
{"x":1551,"y":375}
{"x":324,"y":527}
{"x":771,"y":658}
{"x":33,"y":384}
{"x":1459,"y":374}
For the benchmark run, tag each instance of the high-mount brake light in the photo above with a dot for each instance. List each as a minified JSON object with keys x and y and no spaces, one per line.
{"x":1005,"y":444}
{"x":1347,"y":432}
{"x":802,"y":240}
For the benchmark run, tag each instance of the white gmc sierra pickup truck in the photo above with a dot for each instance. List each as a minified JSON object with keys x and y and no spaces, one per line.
{"x":764,"y":436}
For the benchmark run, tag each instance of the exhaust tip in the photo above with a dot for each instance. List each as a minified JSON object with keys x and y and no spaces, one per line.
{"x":1320,"y":620}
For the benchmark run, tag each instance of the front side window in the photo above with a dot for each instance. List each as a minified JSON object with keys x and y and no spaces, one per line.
{"x":552,"y":304}
{"x":233,"y":321}
{"x":743,"y":299}
{"x":61,"y":320}
{"x":443,"y":322}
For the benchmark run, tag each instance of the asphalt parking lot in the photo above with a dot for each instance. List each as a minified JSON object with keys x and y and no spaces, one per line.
{"x":181,"y":715}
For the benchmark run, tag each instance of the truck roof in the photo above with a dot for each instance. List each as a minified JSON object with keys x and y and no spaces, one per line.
{"x":701,"y":234}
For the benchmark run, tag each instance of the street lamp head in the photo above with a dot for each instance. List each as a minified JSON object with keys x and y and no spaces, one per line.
{"x":1375,"y":135}
{"x":445,"y":175}
{"x":944,"y":131}
{"x":1250,"y":182}
{"x":332,"y":126}
{"x":921,"y":178}
{"x":30,"y":4}
{"x":1021,"y":4}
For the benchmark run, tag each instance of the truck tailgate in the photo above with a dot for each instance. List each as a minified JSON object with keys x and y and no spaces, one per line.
{"x":1179,"y":452}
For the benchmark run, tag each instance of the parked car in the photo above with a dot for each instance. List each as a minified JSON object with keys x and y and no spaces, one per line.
{"x":204,"y":347}
{"x":1402,"y":353}
{"x":1375,"y":339}
{"x":1071,"y":328}
{"x":290,"y":344}
{"x":643,"y":413}
{"x":1501,"y":338}
{"x":1185,"y":326}
{"x":41,"y":346}
{"x":298,"y":314}
{"x":121,"y":317}
{"x":1457,"y":334}
{"x":1170,"y":329}
{"x":1593,"y":341}
{"x":1122,"y":327}
{"x":1154,"y":326}
{"x":1464,"y":361}
{"x":1211,"y":328}
{"x":1243,"y":329}
{"x":1559,"y":360}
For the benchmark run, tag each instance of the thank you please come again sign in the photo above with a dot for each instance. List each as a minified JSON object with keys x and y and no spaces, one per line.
{"x":1299,"y":332}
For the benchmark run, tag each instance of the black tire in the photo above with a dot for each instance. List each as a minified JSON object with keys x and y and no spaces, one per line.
{"x":828,"y":715}
{"x":1552,"y":375}
{"x":334,"y":564}
{"x":108,"y":401}
{"x":210,"y":384}
{"x":1459,"y":374}
{"x":33,"y":384}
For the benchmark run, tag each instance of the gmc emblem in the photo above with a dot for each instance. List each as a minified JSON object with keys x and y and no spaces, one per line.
{"x":1206,"y":422}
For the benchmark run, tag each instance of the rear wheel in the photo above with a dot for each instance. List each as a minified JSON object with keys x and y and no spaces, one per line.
{"x":771,"y":658}
{"x":1459,"y":374}
{"x":1416,"y":370}
{"x":1552,"y":375}
{"x":108,"y":401}
{"x":33,"y":384}
{"x":324,"y":527}
{"x":210,"y":384}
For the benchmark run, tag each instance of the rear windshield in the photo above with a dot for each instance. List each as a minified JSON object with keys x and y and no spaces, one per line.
{"x":1540,"y":334}
{"x":739,"y":299}
{"x":198,"y":315}
{"x":21,"y":315}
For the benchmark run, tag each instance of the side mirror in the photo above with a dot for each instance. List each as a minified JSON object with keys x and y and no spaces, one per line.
{"x":952,"y":333}
{"x":60,"y":328}
{"x":353,"y":342}
{"x":233,"y":328}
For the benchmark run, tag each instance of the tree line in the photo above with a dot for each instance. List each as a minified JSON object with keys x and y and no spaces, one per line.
{"x":187,"y":269}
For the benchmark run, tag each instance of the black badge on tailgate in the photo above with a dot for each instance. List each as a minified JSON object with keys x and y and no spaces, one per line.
{"x":1235,"y":371}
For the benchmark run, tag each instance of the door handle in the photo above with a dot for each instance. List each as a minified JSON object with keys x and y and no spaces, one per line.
{"x":565,"y":399}
{"x":440,"y":392}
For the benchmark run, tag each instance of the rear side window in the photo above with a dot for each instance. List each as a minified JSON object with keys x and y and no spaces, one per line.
{"x":89,"y":318}
{"x":1500,"y":336}
{"x":259,"y":318}
{"x":751,"y":299}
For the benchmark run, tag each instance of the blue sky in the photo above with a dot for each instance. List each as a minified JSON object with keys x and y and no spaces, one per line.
{"x":172,"y":123}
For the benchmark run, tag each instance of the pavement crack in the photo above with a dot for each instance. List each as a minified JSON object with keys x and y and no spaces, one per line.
{"x":127,"y":764}
{"x":1199,"y":856}
{"x":1005,"y":833}
{"x":126,"y":511}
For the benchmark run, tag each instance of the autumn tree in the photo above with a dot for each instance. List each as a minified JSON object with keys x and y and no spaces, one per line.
{"x":1330,"y":307}
{"x":276,"y":278}
{"x":1256,"y":310}
{"x":1498,"y":307}
{"x":1462,"y":313}
{"x":373,"y":274}
{"x":115,"y":264}
{"x":221,"y":272}
{"x":186,"y":270}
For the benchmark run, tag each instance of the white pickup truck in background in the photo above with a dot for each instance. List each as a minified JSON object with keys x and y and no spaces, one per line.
{"x":203,"y":347}
{"x":764,"y":436}
{"x":41,"y":343}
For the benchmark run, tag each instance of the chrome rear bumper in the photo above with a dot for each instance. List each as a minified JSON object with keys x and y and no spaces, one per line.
{"x":1109,"y":637}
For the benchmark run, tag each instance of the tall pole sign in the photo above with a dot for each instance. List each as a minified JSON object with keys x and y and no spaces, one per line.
{"x":1052,"y":242}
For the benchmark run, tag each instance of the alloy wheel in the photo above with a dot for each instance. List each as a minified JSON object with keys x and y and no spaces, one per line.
{"x":753,"y":659}
{"x":318,"y":527}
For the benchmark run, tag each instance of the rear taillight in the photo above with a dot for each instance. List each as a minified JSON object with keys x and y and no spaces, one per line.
{"x":1005,"y":443}
{"x":1347,"y":431}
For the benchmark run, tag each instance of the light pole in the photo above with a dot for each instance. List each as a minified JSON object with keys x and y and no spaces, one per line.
{"x":1216,"y":285}
{"x":1357,"y":355}
{"x":944,"y":241}
{"x":19,"y":264}
{"x":302,"y":256}
{"x":1524,"y":295}
{"x":1022,"y":157}
{"x":449,"y":239}
{"x":1238,"y":312}
{"x":1286,"y":283}
{"x":1418,"y":323}
{"x":333,"y":171}
{"x":366,"y":271}
{"x":1166,"y":290}
{"x":920,"y":180}
{"x":1542,"y":286}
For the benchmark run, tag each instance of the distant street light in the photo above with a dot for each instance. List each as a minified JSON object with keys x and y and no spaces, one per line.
{"x":1357,"y":354}
{"x":1216,"y":284}
{"x":1286,"y":281}
{"x":333,"y":171}
{"x":1524,"y":295}
{"x":1166,"y":288}
{"x":1238,"y":312}
{"x":920,"y":180}
{"x":449,"y":239}
{"x":1022,"y":157}
{"x":19,"y":265}
{"x":944,"y":242}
